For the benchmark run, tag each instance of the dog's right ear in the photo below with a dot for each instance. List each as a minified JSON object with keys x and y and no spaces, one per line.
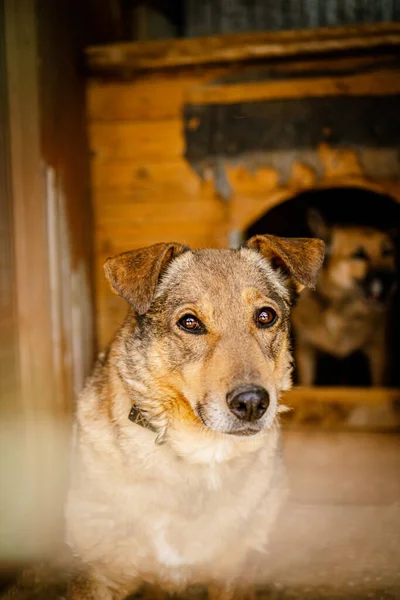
{"x":318,"y":226}
{"x":134,"y":275}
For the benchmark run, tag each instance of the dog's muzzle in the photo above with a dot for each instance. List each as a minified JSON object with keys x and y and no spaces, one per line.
{"x":248,"y":403}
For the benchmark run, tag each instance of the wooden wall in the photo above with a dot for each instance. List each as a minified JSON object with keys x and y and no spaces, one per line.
{"x":145,"y":191}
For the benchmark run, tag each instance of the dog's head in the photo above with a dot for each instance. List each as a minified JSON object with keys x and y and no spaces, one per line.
{"x":360,"y":260}
{"x":207,"y":340}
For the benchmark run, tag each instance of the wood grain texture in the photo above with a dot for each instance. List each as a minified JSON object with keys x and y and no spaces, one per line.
{"x":342,"y":408}
{"x":154,"y":97}
{"x":343,"y":395}
{"x":30,"y":214}
{"x":143,"y":180}
{"x":131,"y":57}
{"x":9,"y":367}
{"x":51,"y":255}
{"x":379,"y":83}
{"x":160,"y":95}
{"x":154,"y":141}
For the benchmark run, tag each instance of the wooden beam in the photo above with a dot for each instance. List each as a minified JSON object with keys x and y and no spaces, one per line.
{"x":343,"y":408}
{"x":376,"y":83}
{"x":343,"y":395}
{"x":131,"y":57}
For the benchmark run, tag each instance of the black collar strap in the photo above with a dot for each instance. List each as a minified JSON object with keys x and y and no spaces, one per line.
{"x":139,"y":419}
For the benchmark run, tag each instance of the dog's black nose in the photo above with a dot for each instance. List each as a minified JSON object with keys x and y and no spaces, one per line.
{"x":248,"y":403}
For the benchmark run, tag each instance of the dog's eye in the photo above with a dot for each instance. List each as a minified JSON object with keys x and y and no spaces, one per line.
{"x":388,"y":252}
{"x":265,"y":317}
{"x":191,"y":324}
{"x":360,"y":254}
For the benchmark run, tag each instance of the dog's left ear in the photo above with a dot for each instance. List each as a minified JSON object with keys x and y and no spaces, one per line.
{"x":299,"y":259}
{"x":134,"y":275}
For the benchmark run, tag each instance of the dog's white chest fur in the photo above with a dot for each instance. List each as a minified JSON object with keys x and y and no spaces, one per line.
{"x":154,"y":515}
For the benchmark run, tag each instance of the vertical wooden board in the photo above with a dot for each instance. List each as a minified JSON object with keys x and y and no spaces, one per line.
{"x":29,"y":209}
{"x":9,"y":366}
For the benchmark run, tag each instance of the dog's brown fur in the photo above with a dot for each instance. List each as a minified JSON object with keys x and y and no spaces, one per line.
{"x":343,"y":314}
{"x":196,"y":506}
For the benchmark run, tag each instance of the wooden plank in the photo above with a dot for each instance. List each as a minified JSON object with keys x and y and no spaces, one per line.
{"x":344,"y":395}
{"x":157,"y":194}
{"x":341,"y":408}
{"x":107,"y":246}
{"x":9,"y":367}
{"x":38,"y":387}
{"x":152,"y":141}
{"x":112,"y":242}
{"x":140,"y":99}
{"x":126,"y":236}
{"x":114,"y":213}
{"x":151,"y":98}
{"x":139,"y":56}
{"x":380,"y":83}
{"x":145,"y":179}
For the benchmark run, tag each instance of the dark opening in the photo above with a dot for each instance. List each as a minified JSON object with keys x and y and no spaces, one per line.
{"x":345,"y":206}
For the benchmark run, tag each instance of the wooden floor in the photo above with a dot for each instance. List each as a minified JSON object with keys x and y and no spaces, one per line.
{"x":339,"y":535}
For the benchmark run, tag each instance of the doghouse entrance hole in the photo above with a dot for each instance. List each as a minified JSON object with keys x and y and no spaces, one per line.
{"x":346,"y":206}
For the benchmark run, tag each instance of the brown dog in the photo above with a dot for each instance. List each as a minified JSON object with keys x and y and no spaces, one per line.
{"x":348,"y":310}
{"x":177,"y":474}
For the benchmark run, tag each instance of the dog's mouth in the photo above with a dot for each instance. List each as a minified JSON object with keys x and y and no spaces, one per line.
{"x":245,"y":430}
{"x":377,"y":288}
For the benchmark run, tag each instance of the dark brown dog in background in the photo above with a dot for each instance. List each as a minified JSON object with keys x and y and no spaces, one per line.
{"x":177,"y":474}
{"x":349,"y":309}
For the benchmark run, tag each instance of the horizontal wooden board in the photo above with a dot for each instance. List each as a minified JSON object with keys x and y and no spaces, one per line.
{"x":158,"y":195}
{"x":340,"y":408}
{"x":130,"y":57}
{"x":375,"y":84}
{"x":160,"y":96}
{"x":111,"y":212}
{"x":147,"y":180}
{"x":139,"y":141}
{"x":345,"y":395}
{"x":147,"y":98}
{"x":126,"y":237}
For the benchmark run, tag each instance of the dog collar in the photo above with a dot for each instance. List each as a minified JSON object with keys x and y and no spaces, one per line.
{"x":137,"y":417}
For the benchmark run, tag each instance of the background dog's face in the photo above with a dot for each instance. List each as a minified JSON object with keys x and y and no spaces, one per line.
{"x":360,"y":260}
{"x":211,"y":338}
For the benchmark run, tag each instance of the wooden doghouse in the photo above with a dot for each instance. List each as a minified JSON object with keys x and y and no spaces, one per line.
{"x":195,"y":140}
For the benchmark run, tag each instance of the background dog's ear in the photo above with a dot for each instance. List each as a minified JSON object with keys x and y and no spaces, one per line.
{"x":297,"y":258}
{"x":134,"y":275}
{"x":317,"y":225}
